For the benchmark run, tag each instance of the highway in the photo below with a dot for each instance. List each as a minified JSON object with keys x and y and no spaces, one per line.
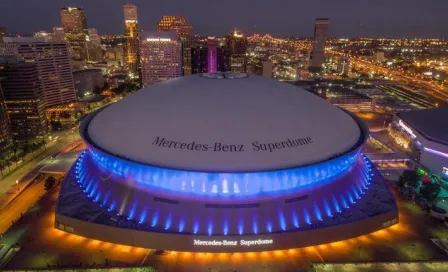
{"x":416,"y":99}
{"x":433,"y":90}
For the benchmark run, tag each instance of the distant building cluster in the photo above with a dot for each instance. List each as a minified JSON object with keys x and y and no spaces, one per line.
{"x":49,"y":77}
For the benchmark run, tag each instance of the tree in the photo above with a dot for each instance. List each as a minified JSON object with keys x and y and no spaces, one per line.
{"x":409,"y":178}
{"x":55,"y":125}
{"x":430,"y":190}
{"x":8,"y":164}
{"x":18,"y":155}
{"x":49,"y":183}
{"x":2,"y":166}
{"x":363,"y":77}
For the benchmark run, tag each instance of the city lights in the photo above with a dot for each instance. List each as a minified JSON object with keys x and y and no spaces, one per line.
{"x":245,"y":142}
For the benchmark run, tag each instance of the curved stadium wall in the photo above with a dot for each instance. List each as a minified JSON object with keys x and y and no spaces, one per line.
{"x":194,"y":208}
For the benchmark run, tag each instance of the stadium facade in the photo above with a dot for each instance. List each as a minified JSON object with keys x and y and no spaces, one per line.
{"x":422,"y":134}
{"x":223,"y":162}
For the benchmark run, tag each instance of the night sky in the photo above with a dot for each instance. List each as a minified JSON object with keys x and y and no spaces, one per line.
{"x":349,"y":18}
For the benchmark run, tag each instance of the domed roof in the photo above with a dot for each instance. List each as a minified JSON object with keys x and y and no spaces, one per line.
{"x":224,"y":123}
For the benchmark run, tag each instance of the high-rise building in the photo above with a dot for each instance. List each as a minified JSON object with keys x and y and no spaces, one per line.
{"x":378,"y":56}
{"x":268,"y":69}
{"x":59,"y":34}
{"x":74,"y":22}
{"x":93,"y":36}
{"x":179,"y":24}
{"x":2,"y":33}
{"x":260,"y":66}
{"x":318,"y":53}
{"x":132,"y":37}
{"x":93,"y":44}
{"x":215,"y":58}
{"x":235,"y":52}
{"x":130,"y":12}
{"x":53,"y":65}
{"x":198,"y":59}
{"x":184,"y":30}
{"x":207,"y":59}
{"x":88,"y":82}
{"x":23,"y":98}
{"x":161,"y":57}
{"x":5,"y":133}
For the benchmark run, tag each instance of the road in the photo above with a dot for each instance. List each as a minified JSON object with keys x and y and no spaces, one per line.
{"x":17,"y":189}
{"x":28,"y":169}
{"x":15,"y":205}
{"x":407,"y":241}
{"x":21,"y":205}
{"x":433,"y":90}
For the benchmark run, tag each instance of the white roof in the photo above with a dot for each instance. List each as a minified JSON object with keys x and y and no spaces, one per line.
{"x":158,"y":125}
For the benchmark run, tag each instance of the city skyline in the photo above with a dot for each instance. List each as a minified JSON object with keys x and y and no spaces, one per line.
{"x":227,"y":136}
{"x":349,"y":19}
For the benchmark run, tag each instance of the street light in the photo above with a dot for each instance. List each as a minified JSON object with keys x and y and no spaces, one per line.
{"x":17,"y":184}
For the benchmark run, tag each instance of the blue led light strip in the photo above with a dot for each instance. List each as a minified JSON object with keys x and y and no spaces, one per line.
{"x":221,"y":184}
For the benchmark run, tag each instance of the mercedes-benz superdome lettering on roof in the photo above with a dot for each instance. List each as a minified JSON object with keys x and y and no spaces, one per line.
{"x":222,"y":124}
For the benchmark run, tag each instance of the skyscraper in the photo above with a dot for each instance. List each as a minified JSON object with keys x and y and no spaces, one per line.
{"x":207,"y":59}
{"x":52,"y":63}
{"x":184,"y":30}
{"x":318,"y":52}
{"x":59,"y":34}
{"x":132,"y":37}
{"x":94,"y":38}
{"x":235,"y":52}
{"x":378,"y":56}
{"x":214,"y":55}
{"x":93,"y":44}
{"x":2,"y":33}
{"x":5,"y":133}
{"x":179,"y":24}
{"x":23,"y":98}
{"x":161,"y":57}
{"x":74,"y":22}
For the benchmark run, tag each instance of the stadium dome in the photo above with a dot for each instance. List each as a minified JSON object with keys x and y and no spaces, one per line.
{"x":223,"y":162}
{"x":242,"y":124}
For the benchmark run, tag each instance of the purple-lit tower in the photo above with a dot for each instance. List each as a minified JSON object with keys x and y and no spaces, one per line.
{"x":223,"y":162}
{"x":212,"y":56}
{"x":208,"y":58}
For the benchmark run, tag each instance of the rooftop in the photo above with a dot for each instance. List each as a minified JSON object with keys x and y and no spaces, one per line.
{"x":224,"y":122}
{"x":431,"y":123}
